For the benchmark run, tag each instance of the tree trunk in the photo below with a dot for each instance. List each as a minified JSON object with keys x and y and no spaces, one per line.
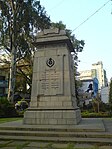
{"x":12,"y":76}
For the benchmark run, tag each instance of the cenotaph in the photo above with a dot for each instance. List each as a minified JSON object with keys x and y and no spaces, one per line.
{"x":53,"y":100}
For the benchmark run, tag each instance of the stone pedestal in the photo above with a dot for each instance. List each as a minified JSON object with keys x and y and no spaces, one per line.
{"x":53,"y":100}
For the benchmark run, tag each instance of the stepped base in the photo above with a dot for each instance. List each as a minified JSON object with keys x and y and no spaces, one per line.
{"x":86,"y":125}
{"x":52,"y":117}
{"x":87,"y":131}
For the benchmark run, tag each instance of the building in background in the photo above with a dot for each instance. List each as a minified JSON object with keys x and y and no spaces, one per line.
{"x":94,"y":81}
{"x":98,"y":72}
{"x":105,"y":94}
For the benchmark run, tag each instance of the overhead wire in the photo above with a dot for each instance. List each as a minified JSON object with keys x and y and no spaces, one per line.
{"x":91,"y":15}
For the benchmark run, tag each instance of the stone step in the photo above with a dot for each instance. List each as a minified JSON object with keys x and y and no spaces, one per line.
{"x":17,"y":125}
{"x":56,"y":134}
{"x":58,"y":139}
{"x":52,"y":129}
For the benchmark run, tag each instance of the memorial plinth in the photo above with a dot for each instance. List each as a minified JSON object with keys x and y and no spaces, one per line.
{"x":53,"y":100}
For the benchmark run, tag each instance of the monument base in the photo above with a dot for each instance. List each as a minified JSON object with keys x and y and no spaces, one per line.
{"x":52,"y":117}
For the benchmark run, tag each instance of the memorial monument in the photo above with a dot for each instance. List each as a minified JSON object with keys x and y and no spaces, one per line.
{"x":53,"y":100}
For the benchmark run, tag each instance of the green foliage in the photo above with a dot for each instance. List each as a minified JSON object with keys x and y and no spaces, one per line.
{"x":87,"y":114}
{"x":49,"y":146}
{"x":21,"y":146}
{"x":19,"y":23}
{"x":70,"y":146}
{"x":77,"y":44}
{"x":7,"y":109}
{"x":4,"y":120}
{"x":5,"y":144}
{"x":78,"y":84}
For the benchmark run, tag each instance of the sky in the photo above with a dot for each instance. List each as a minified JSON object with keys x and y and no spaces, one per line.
{"x":96,"y":31}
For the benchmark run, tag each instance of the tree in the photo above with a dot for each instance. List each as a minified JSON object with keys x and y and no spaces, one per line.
{"x":78,"y":84}
{"x":19,"y":22}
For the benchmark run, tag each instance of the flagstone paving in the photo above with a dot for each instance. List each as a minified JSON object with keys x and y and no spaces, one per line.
{"x":14,"y":144}
{"x":38,"y":145}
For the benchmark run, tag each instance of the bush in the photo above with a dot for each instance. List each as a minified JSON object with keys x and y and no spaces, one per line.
{"x":86,"y":114}
{"x":7,"y":109}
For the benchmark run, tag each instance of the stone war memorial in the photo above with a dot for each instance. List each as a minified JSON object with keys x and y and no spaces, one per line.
{"x":53,"y":116}
{"x":53,"y":100}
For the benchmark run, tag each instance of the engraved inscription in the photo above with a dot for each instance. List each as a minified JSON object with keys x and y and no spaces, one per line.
{"x":51,"y":82}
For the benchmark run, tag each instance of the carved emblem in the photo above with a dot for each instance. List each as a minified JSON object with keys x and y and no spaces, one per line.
{"x":50,"y":62}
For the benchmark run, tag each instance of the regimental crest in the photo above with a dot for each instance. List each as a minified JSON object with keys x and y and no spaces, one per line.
{"x":50,"y":62}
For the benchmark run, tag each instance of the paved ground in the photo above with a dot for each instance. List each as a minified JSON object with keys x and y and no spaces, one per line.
{"x":90,"y":124}
{"x":37,"y":145}
{"x":13,"y":144}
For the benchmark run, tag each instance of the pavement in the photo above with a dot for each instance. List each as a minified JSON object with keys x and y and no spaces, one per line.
{"x":100,"y":125}
{"x":86,"y":124}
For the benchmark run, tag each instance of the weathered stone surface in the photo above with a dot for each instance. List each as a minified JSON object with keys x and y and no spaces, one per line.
{"x":53,"y":98}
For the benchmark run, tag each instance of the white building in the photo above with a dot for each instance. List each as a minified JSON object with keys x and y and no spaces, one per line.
{"x":100,"y":74}
{"x":96,"y":71}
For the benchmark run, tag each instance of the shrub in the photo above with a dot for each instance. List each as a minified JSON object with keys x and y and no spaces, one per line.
{"x":86,"y":114}
{"x":7,"y":109}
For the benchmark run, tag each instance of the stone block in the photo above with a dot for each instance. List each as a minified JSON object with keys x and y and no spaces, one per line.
{"x":59,"y":63}
{"x":50,"y":52}
{"x":42,"y":104}
{"x":67,"y":88}
{"x":34,"y":76}
{"x":47,"y":98}
{"x":65,"y":98}
{"x":34,"y":92}
{"x":69,"y":115}
{"x":38,"y":121}
{"x":66,"y":63}
{"x":49,"y":115}
{"x":37,"y":115}
{"x":35,"y":64}
{"x":41,"y":64}
{"x":51,"y":104}
{"x":66,"y":75}
{"x":44,"y":121}
{"x":67,"y":104}
{"x":54,"y":98}
{"x":33,"y":121}
{"x":33,"y":104}
{"x":30,"y":114}
{"x":62,"y":51}
{"x":72,"y":121}
{"x":29,"y":121}
{"x":34,"y":99}
{"x":58,"y":115}
{"x":53,"y":121}
{"x":51,"y":31}
{"x":62,"y":122}
{"x":42,"y":114}
{"x":40,"y":53}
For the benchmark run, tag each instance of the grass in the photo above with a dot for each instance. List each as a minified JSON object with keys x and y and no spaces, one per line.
{"x":4,"y":120}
